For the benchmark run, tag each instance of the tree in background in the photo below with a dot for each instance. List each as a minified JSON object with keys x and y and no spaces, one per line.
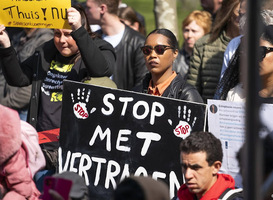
{"x":166,"y":15}
{"x":170,"y":14}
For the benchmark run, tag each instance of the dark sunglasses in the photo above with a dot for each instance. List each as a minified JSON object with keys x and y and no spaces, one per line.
{"x":263,"y":51}
{"x":159,"y":49}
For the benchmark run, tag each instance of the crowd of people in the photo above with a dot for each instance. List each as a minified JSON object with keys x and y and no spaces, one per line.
{"x":35,"y":63}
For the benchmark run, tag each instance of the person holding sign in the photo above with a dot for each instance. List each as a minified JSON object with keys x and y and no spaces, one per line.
{"x":160,"y":51}
{"x":201,"y":159}
{"x":72,"y":54}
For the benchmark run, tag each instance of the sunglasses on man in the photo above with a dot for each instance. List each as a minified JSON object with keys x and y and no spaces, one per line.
{"x":159,"y":49}
{"x":263,"y":51}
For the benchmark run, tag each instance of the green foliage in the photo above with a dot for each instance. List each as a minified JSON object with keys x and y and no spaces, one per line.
{"x":145,"y":7}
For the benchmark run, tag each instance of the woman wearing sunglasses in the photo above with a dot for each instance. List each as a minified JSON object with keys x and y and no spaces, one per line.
{"x":233,"y":89}
{"x":266,"y":62}
{"x":160,"y":51}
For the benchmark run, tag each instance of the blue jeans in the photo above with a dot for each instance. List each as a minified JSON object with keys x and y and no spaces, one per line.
{"x":23,"y":114}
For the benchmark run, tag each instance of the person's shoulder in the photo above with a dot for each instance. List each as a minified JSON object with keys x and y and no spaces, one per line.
{"x":202,"y":41}
{"x":47,"y":46}
{"x":188,"y":91}
{"x":47,"y":49}
{"x":234,"y":43}
{"x":133,"y":33}
{"x":236,"y":39}
{"x":184,"y":193}
{"x":41,"y":36}
{"x":192,"y":94}
{"x":103,"y":43}
{"x":232,"y":194}
{"x":100,"y":81}
{"x":143,"y":87}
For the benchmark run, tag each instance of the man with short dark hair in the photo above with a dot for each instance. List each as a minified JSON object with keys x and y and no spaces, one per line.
{"x":201,"y":159}
{"x":130,"y":67}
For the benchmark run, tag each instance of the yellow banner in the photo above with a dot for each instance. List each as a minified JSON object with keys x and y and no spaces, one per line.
{"x":35,"y":13}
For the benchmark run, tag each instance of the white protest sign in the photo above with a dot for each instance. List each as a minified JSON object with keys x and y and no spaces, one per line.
{"x":226,"y":120}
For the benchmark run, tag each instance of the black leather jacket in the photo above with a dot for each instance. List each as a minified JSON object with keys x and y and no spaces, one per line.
{"x":178,"y":89}
{"x":130,"y":68}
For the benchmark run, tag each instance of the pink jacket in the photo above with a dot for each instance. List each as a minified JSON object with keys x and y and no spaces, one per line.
{"x":15,"y":178}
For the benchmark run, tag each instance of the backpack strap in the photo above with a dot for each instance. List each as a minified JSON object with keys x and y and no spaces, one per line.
{"x":229,"y":194}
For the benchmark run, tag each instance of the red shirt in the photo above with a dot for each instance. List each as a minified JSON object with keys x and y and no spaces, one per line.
{"x":223,"y":182}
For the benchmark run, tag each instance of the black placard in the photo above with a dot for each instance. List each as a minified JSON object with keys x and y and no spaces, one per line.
{"x":108,"y":134}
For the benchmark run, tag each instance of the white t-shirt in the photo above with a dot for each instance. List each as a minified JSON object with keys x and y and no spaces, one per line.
{"x":236,"y":94}
{"x":114,"y":40}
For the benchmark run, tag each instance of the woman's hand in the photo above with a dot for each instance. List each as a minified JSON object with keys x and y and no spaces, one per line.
{"x":74,"y":18}
{"x":4,"y":38}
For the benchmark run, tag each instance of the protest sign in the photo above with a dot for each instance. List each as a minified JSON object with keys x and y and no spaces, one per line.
{"x":226,"y":120}
{"x":108,"y":134}
{"x":35,"y":13}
